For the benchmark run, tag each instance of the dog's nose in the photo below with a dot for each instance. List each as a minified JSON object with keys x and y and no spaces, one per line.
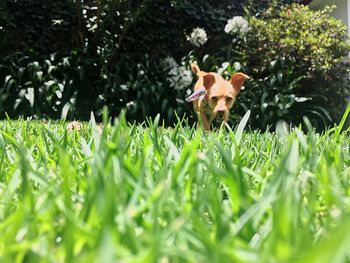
{"x":221,"y":114}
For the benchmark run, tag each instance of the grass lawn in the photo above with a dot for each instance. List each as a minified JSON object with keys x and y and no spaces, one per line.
{"x":128,"y":193}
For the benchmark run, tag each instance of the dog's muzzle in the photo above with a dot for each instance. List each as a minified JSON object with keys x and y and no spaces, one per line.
{"x":220,"y":116}
{"x":219,"y":119}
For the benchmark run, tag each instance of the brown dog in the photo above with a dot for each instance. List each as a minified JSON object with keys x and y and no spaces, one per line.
{"x":214,"y":96}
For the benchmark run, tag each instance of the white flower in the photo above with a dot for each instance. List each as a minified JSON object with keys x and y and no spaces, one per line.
{"x":169,"y":63}
{"x":237,"y":25}
{"x":185,"y":77}
{"x":179,"y":77}
{"x":198,"y":37}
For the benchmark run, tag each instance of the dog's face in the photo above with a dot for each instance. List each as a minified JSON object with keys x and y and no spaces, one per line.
{"x":222,"y":94}
{"x":213,"y":96}
{"x":221,"y":97}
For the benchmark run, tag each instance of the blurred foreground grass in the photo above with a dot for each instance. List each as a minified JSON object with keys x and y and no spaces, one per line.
{"x":131,"y":193}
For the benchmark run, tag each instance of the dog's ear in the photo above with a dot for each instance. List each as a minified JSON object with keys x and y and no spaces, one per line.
{"x":195,"y":68}
{"x":208,"y":81}
{"x":237,"y":80}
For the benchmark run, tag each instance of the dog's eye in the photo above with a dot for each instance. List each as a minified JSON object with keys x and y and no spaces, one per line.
{"x":229,"y":99}
{"x":214,"y":99}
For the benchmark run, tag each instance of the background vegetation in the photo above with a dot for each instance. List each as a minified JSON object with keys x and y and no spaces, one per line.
{"x":68,"y":58}
{"x":297,"y":59}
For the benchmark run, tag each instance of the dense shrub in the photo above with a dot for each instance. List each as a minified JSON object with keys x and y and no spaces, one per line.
{"x":296,"y":59}
{"x":146,"y":89}
{"x":46,"y":26}
{"x":57,"y":87}
{"x":111,"y":28}
{"x":37,"y":87}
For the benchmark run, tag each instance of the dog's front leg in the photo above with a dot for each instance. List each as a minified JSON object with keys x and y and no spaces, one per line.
{"x":204,"y":120}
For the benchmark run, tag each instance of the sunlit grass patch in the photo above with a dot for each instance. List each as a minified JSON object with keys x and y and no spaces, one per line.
{"x":135,"y":193}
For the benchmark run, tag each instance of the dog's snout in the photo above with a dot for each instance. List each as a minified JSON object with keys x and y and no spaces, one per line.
{"x":221,"y":113}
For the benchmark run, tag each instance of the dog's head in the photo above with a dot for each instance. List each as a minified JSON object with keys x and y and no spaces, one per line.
{"x":222,"y":94}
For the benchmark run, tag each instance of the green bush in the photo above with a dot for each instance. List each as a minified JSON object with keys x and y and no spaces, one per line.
{"x":37,"y":87}
{"x":45,"y":26}
{"x":112,"y":29}
{"x":55,"y":87}
{"x":145,"y":89}
{"x":295,"y":57}
{"x":312,"y":40}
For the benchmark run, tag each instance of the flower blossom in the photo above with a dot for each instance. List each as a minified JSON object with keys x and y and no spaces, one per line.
{"x":179,"y":77}
{"x":198,"y":37}
{"x":237,"y":24}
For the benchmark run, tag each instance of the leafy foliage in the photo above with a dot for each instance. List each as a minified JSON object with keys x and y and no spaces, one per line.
{"x":46,"y":26}
{"x":312,"y":40}
{"x":172,"y":19}
{"x":296,"y":59}
{"x":39,"y":88}
{"x":135,"y":194}
{"x":143,"y":90}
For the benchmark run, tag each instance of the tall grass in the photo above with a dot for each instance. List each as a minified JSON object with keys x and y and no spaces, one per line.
{"x":131,"y":193}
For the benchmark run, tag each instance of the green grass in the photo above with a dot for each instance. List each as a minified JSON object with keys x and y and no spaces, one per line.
{"x":152,"y":194}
